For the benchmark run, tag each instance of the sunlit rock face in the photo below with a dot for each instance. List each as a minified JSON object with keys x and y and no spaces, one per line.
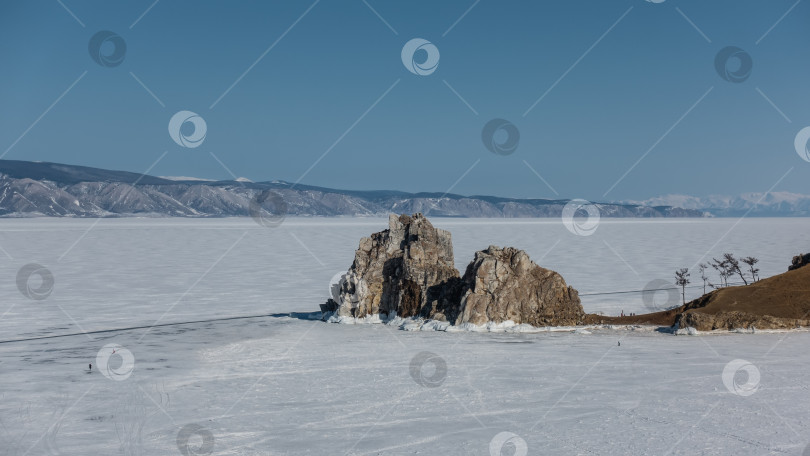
{"x":505,"y":284}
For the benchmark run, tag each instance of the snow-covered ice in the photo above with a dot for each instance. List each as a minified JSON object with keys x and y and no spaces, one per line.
{"x":281,"y":384}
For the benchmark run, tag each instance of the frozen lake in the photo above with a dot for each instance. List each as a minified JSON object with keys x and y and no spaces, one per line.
{"x":281,"y":385}
{"x":127,"y":272}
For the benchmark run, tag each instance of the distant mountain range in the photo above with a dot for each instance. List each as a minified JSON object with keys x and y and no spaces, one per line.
{"x":52,"y":189}
{"x":774,"y":204}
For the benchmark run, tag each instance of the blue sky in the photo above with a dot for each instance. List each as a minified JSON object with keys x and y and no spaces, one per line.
{"x":619,"y":80}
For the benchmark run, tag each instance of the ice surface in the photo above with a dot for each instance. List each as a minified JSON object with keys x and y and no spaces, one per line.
{"x":279,"y":385}
{"x":290,"y":385}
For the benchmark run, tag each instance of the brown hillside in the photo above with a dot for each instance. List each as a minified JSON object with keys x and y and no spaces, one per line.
{"x":778,"y":302}
{"x":784,"y":296}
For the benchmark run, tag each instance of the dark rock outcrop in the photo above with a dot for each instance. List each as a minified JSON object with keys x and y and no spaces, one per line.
{"x":409,"y":270}
{"x":504,"y":284}
{"x":799,"y":261}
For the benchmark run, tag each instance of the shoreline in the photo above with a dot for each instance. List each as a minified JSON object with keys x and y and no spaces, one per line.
{"x":415,"y":324}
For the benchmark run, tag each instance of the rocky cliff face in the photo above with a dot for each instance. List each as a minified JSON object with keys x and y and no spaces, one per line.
{"x":504,"y":284}
{"x":405,"y":269}
{"x":408,"y":270}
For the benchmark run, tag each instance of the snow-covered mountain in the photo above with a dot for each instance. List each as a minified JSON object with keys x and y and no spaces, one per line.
{"x":774,"y":204}
{"x":51,"y":189}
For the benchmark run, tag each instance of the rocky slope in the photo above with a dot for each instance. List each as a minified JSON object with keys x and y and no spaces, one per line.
{"x":408,"y":270}
{"x":51,"y":189}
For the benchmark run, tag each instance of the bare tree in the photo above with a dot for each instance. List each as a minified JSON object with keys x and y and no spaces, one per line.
{"x":734,"y":266}
{"x":722,"y":268}
{"x":751,"y":261}
{"x":703,"y":267}
{"x":682,"y":279}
